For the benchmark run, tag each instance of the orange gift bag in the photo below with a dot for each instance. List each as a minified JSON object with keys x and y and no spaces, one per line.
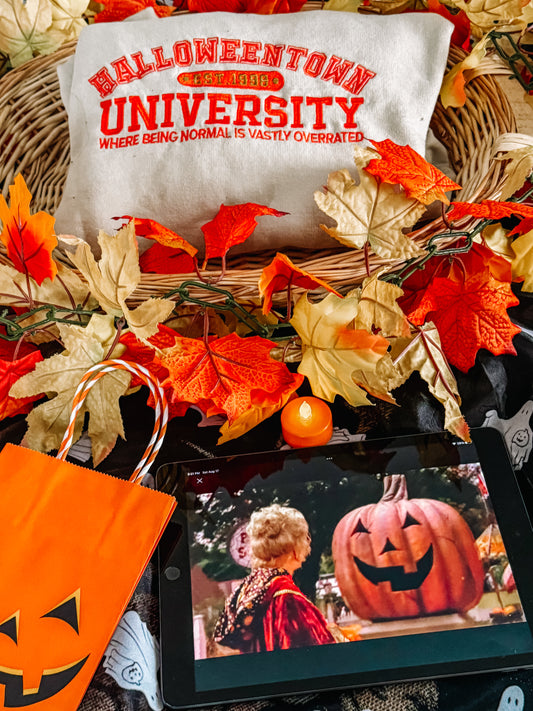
{"x":74,"y":543}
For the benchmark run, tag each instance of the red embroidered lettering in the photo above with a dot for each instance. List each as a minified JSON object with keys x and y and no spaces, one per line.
{"x":243,"y":112}
{"x":296,"y":54}
{"x":249,"y":52}
{"x":297,"y":102}
{"x":206,"y":50}
{"x":217,"y":113}
{"x":359,"y":78}
{"x":319,"y":102}
{"x":160,"y":61}
{"x":142,"y":68}
{"x":279,"y":113}
{"x":356,"y":102}
{"x":103,"y":82}
{"x":183,"y":53}
{"x":123,"y":71}
{"x":106,"y":109}
{"x":189,"y":115}
{"x":272,"y":55}
{"x":167,"y":118}
{"x":138,"y":109}
{"x":336,"y":71}
{"x":228,"y":49}
{"x":314,"y":64}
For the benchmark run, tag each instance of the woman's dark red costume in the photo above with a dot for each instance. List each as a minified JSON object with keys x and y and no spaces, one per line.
{"x":267,"y":612}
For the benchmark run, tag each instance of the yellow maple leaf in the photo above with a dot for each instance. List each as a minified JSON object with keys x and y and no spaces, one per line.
{"x":115,"y":276}
{"x":332,"y":351}
{"x":522,"y":264}
{"x":499,"y":240}
{"x":369,"y":211}
{"x":61,"y":374}
{"x":422,"y":351}
{"x":452,"y":92}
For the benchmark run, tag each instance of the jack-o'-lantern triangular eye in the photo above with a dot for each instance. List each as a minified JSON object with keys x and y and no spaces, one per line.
{"x":360,"y":528}
{"x":10,"y":627}
{"x":410,"y":521}
{"x":68,"y":611}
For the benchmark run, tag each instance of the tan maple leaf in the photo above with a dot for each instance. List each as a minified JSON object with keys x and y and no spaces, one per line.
{"x":61,"y":374}
{"x":522,"y":263}
{"x":24,"y":29}
{"x":498,"y":239}
{"x":114,"y":278}
{"x":378,"y":308}
{"x":369,"y":211}
{"x":332,"y":351}
{"x":486,"y":15}
{"x":67,"y":18}
{"x":517,"y":170}
{"x":422,"y":351}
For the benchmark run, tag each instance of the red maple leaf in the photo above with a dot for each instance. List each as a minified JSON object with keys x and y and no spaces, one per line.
{"x":401,"y":165}
{"x":488,"y":209}
{"x":139,"y":352}
{"x":29,"y":239}
{"x":14,"y":363}
{"x":261,"y":7}
{"x":165,"y":260}
{"x":229,"y":376}
{"x":282,"y":273}
{"x":461,"y":23}
{"x":117,"y":10}
{"x":232,"y":225}
{"x":469,"y":314}
{"x":523,"y":227}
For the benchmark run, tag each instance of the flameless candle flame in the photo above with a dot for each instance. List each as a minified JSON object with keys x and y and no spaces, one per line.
{"x":305,"y":410}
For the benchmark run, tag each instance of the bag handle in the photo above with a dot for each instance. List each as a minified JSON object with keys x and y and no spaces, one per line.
{"x":161,"y":410}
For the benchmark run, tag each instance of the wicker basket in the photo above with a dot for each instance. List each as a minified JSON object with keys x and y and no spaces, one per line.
{"x":34,"y":141}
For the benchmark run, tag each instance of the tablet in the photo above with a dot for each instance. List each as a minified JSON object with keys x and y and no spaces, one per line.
{"x":332,"y":567}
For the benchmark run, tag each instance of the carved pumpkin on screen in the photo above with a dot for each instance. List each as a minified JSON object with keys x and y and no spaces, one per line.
{"x":406,"y":557}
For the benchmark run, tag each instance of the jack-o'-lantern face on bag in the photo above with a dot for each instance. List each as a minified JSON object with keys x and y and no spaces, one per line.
{"x":406,"y":558}
{"x":26,"y":640}
{"x":74,"y":544}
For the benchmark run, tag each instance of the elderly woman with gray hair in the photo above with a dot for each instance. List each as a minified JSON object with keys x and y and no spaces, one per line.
{"x":268,"y":611}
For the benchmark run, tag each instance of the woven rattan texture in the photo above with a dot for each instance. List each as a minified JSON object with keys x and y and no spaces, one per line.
{"x":34,"y":141}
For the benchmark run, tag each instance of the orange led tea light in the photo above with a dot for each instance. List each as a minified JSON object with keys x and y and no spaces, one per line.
{"x":306,"y":422}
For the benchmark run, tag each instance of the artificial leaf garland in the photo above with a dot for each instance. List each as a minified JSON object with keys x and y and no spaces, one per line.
{"x":15,"y":361}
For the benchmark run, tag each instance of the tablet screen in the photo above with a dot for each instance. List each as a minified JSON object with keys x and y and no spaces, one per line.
{"x":363,"y":561}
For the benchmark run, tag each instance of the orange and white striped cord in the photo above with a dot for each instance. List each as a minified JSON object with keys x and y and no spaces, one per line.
{"x":161,"y":410}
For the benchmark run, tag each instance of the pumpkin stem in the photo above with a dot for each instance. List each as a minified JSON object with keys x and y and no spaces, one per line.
{"x":394,"y":488}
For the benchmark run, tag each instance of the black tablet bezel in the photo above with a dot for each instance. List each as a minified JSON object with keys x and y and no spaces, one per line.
{"x":177,"y":655}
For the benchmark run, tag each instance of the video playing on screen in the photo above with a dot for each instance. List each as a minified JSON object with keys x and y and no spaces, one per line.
{"x":345,"y":557}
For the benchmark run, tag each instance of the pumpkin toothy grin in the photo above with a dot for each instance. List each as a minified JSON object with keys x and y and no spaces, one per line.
{"x":396,"y":575}
{"x":53,"y":680}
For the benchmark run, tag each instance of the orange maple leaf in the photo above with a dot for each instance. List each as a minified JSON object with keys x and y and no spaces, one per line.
{"x":139,"y":352}
{"x":468,"y":304}
{"x":488,"y":209}
{"x":29,"y":239}
{"x":16,"y":361}
{"x":280,"y":274}
{"x":153,"y":230}
{"x":401,"y":165}
{"x":228,"y":376}
{"x":232,"y":225}
{"x":117,"y":10}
